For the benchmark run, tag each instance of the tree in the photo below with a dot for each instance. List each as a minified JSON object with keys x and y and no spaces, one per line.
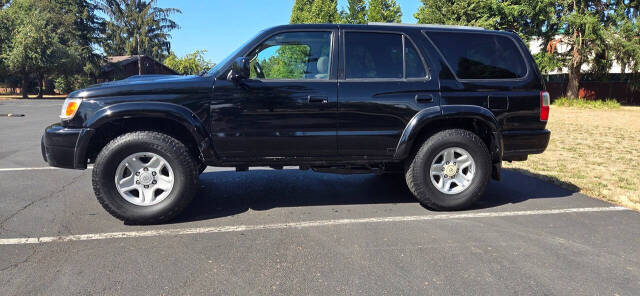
{"x":138,"y":27}
{"x":385,"y":11}
{"x":42,"y":38}
{"x":356,"y":12}
{"x":315,"y":12}
{"x":190,"y":64}
{"x":35,"y":46}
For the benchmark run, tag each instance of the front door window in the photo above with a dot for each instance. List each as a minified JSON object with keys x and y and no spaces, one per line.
{"x":292,"y":56}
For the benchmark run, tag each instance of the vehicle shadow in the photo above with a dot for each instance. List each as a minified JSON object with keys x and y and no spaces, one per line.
{"x":229,"y":193}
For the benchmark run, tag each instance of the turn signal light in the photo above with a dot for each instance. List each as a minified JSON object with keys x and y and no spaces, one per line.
{"x":545,"y":101}
{"x":69,"y":108}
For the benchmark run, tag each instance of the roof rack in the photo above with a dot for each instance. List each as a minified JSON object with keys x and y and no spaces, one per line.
{"x":428,"y":26}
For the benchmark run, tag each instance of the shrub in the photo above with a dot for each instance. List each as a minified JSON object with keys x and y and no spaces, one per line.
{"x":586,"y":104}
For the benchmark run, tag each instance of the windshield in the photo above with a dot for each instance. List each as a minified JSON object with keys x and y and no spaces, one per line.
{"x":218,"y":66}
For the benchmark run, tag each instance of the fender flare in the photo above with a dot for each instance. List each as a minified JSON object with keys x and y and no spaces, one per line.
{"x":433,"y":114}
{"x":162,"y":110}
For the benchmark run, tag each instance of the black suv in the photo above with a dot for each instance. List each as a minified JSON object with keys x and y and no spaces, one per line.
{"x":443,"y":105}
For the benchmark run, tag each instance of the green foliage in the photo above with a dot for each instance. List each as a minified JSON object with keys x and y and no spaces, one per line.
{"x":287,"y":62}
{"x":356,"y":12}
{"x":190,"y":64}
{"x":586,"y":104}
{"x":138,"y":27}
{"x":42,"y":38}
{"x":384,"y":11}
{"x":315,"y":12}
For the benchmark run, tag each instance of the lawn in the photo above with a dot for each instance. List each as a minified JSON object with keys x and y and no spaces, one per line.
{"x":594,"y":151}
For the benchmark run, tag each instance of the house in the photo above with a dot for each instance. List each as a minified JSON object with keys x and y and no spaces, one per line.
{"x":121,"y":67}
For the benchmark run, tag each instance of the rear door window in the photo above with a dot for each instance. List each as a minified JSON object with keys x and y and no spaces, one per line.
{"x":480,"y":56}
{"x":373,"y":55}
{"x":381,"y":55}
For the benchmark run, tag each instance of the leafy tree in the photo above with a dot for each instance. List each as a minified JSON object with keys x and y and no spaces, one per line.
{"x":315,"y":12}
{"x":190,"y":64}
{"x":356,"y":12}
{"x":385,"y":11}
{"x":35,"y":46}
{"x":138,"y":27}
{"x":44,"y":38}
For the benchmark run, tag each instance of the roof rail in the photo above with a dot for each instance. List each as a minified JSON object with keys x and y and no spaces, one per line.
{"x":428,"y":26}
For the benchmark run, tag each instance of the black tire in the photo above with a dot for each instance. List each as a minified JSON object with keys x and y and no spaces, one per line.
{"x":419,"y":181}
{"x":173,"y":151}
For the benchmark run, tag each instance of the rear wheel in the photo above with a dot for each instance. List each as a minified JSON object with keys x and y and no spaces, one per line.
{"x":450,"y":171}
{"x":145,"y":177}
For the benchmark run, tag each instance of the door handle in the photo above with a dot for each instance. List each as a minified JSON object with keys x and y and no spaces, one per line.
{"x":424,"y":99}
{"x":318,"y":99}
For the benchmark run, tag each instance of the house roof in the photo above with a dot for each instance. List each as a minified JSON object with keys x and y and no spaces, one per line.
{"x":124,"y":60}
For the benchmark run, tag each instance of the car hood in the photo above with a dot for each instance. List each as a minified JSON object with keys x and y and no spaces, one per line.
{"x":143,"y":85}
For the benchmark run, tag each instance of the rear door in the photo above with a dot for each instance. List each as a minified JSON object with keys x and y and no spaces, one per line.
{"x":383,"y":82}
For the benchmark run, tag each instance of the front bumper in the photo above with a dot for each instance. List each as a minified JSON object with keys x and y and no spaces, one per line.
{"x":519,"y":144}
{"x":65,"y":147}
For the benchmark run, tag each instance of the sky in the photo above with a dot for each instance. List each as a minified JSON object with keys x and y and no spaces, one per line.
{"x":221,"y":26}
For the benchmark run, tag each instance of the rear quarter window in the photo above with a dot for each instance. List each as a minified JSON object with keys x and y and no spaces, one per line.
{"x":480,"y":56}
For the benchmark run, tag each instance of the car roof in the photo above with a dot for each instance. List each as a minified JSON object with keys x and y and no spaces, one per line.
{"x":387,"y":26}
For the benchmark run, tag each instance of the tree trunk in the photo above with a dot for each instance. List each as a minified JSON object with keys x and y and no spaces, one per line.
{"x":25,"y":81}
{"x":139,"y":55}
{"x":41,"y":88}
{"x":573,"y":87}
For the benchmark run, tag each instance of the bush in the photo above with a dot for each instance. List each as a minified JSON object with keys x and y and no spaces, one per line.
{"x":586,"y":104}
{"x":63,"y":84}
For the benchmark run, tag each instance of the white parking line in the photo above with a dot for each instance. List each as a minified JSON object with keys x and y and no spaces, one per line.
{"x":28,"y":169}
{"x":304,"y":224}
{"x":32,"y":169}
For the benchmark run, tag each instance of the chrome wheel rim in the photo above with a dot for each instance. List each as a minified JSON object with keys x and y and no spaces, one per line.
{"x":452,"y":170}
{"x":144,"y":179}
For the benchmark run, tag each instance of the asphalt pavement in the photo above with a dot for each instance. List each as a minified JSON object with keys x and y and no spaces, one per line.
{"x":294,"y":232}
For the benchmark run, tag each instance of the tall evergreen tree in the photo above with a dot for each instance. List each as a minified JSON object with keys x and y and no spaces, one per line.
{"x":356,"y":12}
{"x":385,"y":11}
{"x":315,"y":12}
{"x":138,"y":27}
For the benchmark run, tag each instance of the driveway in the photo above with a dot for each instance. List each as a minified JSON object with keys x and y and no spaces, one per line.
{"x":300,"y":232}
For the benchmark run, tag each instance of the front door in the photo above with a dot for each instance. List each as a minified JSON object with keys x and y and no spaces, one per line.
{"x":287,"y":107}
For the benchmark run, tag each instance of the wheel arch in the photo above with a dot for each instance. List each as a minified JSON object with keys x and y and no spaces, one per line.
{"x":174,"y":120}
{"x":431,"y":120}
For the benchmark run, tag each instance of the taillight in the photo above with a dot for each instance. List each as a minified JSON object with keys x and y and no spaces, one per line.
{"x":545,"y":100}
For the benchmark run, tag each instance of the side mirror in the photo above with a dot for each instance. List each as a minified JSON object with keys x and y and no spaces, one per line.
{"x":240,"y":68}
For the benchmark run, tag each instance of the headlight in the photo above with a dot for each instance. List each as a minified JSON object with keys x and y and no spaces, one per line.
{"x":69,"y":108}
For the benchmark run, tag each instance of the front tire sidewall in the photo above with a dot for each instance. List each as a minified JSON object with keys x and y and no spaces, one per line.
{"x":104,"y":181}
{"x":423,"y":188}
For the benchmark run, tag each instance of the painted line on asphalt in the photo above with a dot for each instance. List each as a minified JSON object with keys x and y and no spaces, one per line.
{"x":209,"y":169}
{"x":304,"y":224}
{"x":32,"y":169}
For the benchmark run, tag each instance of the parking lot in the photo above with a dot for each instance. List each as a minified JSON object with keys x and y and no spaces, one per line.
{"x":300,"y":232}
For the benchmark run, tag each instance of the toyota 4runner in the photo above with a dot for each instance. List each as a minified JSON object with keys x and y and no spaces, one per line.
{"x":443,"y":105}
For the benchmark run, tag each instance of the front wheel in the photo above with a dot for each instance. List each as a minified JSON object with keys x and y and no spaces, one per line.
{"x":145,"y":177}
{"x":450,"y":171}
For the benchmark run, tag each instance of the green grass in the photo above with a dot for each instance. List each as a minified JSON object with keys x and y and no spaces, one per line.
{"x":587,"y":104}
